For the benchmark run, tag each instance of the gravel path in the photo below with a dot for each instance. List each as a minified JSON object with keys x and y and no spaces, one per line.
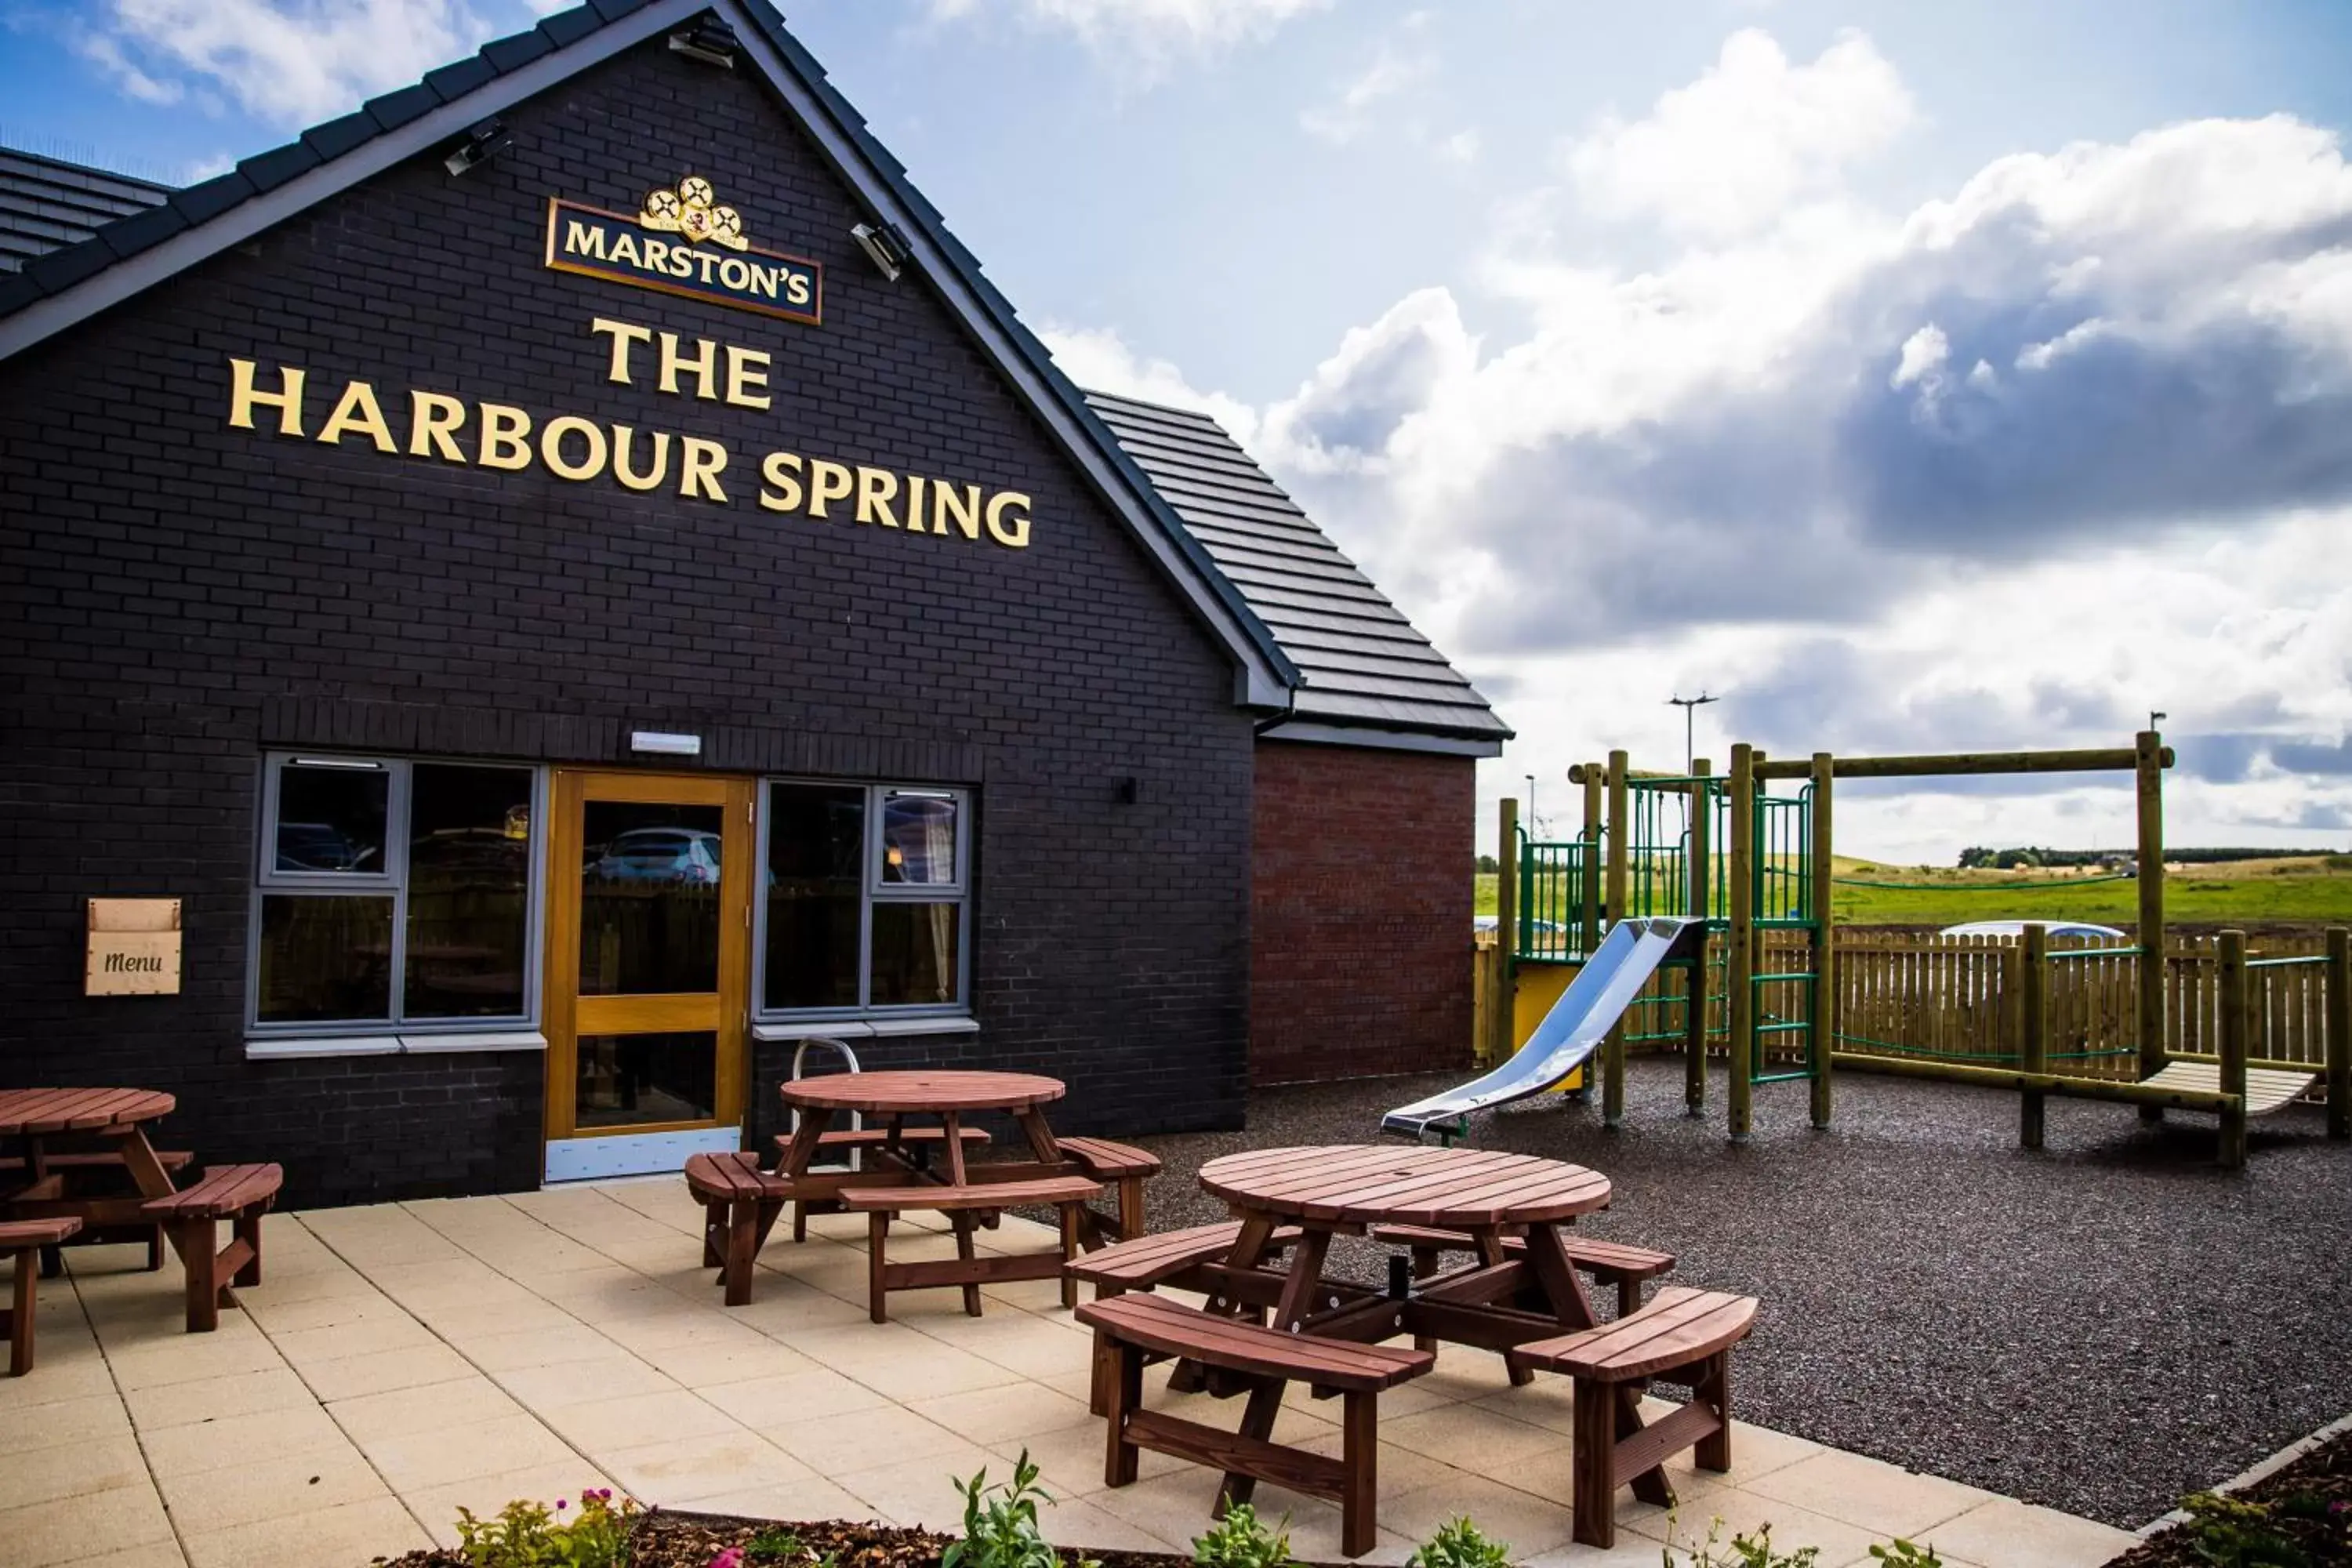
{"x":2101,"y":1326}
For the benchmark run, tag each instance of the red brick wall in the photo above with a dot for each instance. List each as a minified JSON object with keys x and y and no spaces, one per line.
{"x":1361,"y":905}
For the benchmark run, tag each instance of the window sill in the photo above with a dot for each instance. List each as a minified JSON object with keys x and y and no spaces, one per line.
{"x":285,"y":1047}
{"x":867,"y":1028}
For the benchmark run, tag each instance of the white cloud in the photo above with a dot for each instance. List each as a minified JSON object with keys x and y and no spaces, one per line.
{"x":1750,"y":136}
{"x":2010,"y":468}
{"x":1146,"y":34}
{"x":288,"y":62}
{"x":1924,"y":353}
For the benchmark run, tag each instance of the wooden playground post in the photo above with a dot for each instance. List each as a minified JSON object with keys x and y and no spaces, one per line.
{"x":2033,"y":1029}
{"x":1501,"y":1023}
{"x":1702,"y":818}
{"x":1739,"y":943}
{"x":2339,"y":1032}
{"x":1613,"y":1049}
{"x":1591,"y":898}
{"x":2148,"y":762}
{"x":1823,"y":1035}
{"x":2234,"y":1020}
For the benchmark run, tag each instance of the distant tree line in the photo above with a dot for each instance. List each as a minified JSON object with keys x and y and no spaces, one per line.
{"x":1978,"y":857}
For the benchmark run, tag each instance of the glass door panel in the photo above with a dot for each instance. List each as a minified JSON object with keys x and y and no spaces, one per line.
{"x":649,"y":897}
{"x":648,"y":953}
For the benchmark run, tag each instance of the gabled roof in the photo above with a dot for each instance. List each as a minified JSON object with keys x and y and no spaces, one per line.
{"x":1371,"y":673}
{"x":66,"y":286}
{"x":1361,"y":663}
{"x":47,"y":204}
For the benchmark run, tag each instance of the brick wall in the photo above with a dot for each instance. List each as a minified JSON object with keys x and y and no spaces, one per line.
{"x":176,"y":596}
{"x":1360,"y":912}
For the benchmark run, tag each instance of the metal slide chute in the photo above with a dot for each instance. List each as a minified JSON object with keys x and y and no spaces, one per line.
{"x":1603,"y":988}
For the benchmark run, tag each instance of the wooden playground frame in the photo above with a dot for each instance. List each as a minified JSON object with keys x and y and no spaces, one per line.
{"x":2230,"y":1083}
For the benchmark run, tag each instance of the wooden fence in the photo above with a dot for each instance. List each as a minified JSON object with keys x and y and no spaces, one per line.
{"x":1955,"y":999}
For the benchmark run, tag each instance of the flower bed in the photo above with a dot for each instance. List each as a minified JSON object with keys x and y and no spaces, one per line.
{"x":2300,"y":1517}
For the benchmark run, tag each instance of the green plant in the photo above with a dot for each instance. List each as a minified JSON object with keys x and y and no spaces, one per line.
{"x":527,"y":1534}
{"x":1901,"y":1554}
{"x":1459,"y":1544}
{"x":1240,"y":1541}
{"x":775,"y":1545}
{"x":2231,"y":1533}
{"x":1747,"y":1551}
{"x":1000,"y":1523}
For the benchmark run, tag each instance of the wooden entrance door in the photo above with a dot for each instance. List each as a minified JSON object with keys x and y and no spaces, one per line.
{"x":648,"y":964}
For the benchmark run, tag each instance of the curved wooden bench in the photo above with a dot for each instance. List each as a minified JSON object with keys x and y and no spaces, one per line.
{"x":1129,"y":1328}
{"x":1685,"y":1334}
{"x":1611,"y":1262}
{"x":739,"y":1205}
{"x":191,"y":1218}
{"x":26,"y":1240}
{"x":1168,"y":1258}
{"x":1121,"y":1162}
{"x":964,"y":1206}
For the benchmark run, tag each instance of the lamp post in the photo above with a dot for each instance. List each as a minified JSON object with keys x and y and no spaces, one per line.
{"x":1535,"y":823}
{"x":1690,"y":706}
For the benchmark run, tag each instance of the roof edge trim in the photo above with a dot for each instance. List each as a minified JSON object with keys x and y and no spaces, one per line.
{"x":1379,"y":740}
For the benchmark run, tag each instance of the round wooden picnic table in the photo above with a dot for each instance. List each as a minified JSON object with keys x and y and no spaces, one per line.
{"x":1353,"y":1185}
{"x":33,"y":1116}
{"x":1498,"y":1301}
{"x":920,"y":1091}
{"x":947,"y":1094}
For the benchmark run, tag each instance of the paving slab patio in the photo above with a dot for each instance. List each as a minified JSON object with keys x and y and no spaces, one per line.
{"x":404,"y":1360}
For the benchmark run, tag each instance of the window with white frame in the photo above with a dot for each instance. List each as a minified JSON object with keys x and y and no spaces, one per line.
{"x":395,"y":891}
{"x":866,"y":898}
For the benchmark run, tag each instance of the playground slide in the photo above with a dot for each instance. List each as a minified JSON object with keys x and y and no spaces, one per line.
{"x":1570,"y":1033}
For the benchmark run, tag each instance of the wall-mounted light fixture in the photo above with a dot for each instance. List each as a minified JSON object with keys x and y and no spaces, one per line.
{"x":482,"y":144}
{"x":662,"y":743}
{"x":709,"y":41}
{"x":885,"y":246}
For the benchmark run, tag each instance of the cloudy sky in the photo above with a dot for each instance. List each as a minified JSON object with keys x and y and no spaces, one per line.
{"x":1915,"y":377}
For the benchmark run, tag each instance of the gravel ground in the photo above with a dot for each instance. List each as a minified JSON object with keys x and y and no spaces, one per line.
{"x":2101,"y":1326}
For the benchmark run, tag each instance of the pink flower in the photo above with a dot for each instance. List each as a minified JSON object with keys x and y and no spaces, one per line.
{"x":731,"y":1558}
{"x":561,"y":1505}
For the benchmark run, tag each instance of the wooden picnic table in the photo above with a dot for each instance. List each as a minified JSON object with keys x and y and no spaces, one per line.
{"x":1502,"y":1298}
{"x":904,"y":1182}
{"x":947,"y":1095}
{"x":36,"y":1118}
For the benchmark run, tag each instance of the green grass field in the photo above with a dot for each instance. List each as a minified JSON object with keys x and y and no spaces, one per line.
{"x":2254,"y":892}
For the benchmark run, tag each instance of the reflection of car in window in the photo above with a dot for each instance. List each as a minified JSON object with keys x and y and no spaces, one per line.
{"x":659,"y":855}
{"x":320,"y":847}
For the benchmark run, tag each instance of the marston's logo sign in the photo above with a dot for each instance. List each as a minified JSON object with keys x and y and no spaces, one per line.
{"x":599,"y":243}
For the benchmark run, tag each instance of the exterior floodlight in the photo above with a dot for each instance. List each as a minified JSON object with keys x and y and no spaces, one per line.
{"x":482,"y":144}
{"x":709,"y":41}
{"x":885,"y":246}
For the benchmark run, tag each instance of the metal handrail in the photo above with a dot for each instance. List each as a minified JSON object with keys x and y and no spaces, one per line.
{"x":857,"y":1117}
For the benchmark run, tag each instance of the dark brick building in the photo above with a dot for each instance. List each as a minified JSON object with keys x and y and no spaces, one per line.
{"x":575,"y":582}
